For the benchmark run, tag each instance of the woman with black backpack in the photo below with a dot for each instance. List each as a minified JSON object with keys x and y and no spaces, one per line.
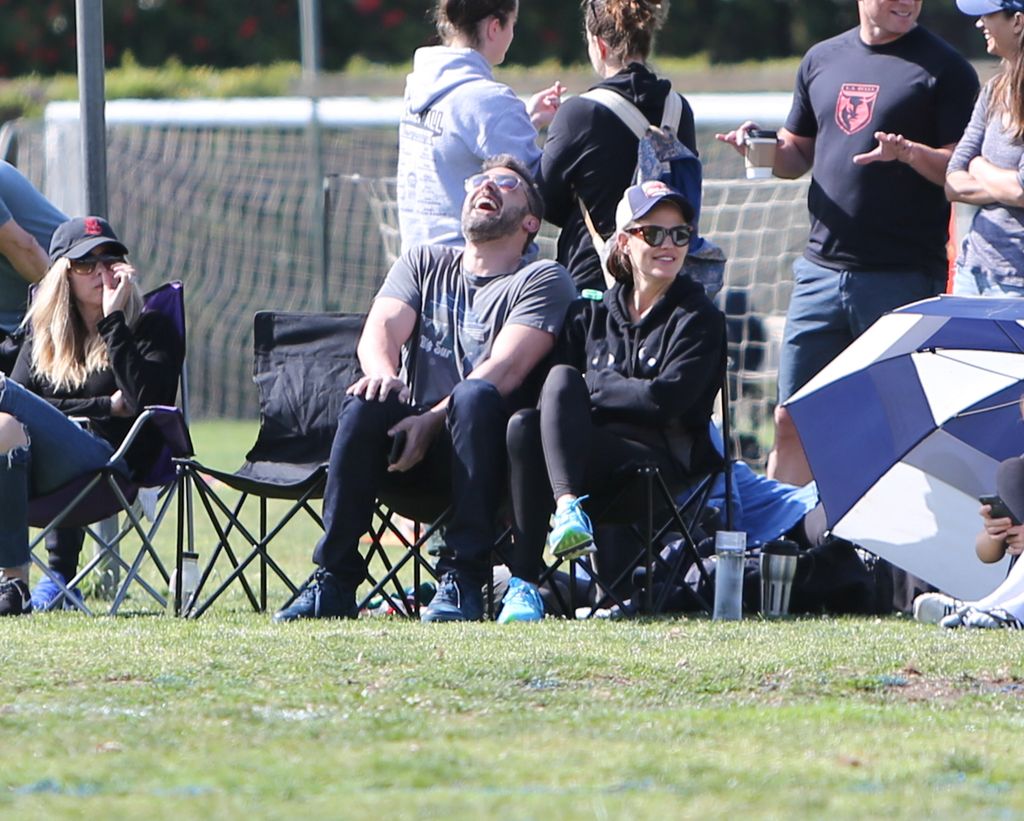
{"x":590,"y":153}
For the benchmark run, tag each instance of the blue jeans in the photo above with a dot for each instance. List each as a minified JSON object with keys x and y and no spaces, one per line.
{"x":978,"y":283}
{"x":58,"y":451}
{"x":829,"y":309}
{"x":465,"y":466}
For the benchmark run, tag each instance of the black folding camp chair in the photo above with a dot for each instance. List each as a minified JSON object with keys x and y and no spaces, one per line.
{"x":108,"y":493}
{"x":303,"y":362}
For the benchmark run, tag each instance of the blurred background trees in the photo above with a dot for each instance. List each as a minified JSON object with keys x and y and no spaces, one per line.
{"x":40,"y":37}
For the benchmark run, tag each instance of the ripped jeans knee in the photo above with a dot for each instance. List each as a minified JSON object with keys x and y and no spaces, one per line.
{"x":19,"y":454}
{"x":18,"y":451}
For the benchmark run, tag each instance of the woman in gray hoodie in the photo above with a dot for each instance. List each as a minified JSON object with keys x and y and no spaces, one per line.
{"x":456,"y":115}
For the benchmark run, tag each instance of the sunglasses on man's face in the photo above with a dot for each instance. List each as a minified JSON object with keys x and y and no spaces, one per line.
{"x":506,"y":182}
{"x":87,"y":265}
{"x":654,"y":235}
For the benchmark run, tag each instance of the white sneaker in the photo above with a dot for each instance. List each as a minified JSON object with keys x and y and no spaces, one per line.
{"x":994,"y":619}
{"x":931,"y":608}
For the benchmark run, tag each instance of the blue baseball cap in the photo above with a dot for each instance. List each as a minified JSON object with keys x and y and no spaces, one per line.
{"x":979,"y":8}
{"x":639,"y":199}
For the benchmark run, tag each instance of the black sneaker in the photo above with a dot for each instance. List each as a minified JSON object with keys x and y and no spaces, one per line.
{"x":15,"y":598}
{"x":323,"y":598}
{"x":455,"y":600}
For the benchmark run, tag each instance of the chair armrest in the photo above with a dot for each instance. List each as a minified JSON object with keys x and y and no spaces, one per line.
{"x":171,"y":424}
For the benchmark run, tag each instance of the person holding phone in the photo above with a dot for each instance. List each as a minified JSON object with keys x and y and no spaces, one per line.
{"x":1002,"y":535}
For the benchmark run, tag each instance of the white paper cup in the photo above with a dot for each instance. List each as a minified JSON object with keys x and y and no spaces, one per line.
{"x":760,"y":156}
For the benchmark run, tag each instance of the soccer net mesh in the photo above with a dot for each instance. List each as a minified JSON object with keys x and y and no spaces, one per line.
{"x":235,"y":212}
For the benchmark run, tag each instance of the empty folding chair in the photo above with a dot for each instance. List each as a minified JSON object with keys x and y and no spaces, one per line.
{"x":303,"y":363}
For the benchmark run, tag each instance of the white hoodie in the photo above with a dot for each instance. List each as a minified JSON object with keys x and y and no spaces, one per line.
{"x":456,"y":115}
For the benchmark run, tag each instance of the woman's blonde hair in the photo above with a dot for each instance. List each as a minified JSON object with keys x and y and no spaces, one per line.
{"x":63,"y":349}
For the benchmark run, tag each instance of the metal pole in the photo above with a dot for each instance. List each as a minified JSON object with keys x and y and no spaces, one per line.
{"x":92,"y":103}
{"x":309,"y":20}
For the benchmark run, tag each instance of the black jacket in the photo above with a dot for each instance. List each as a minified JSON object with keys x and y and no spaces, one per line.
{"x":654,"y":381}
{"x":591,"y":153}
{"x":145,"y":363}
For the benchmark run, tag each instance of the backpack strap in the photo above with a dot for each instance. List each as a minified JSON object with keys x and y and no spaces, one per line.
{"x":631,"y":116}
{"x":622,"y":108}
{"x":673,"y":112}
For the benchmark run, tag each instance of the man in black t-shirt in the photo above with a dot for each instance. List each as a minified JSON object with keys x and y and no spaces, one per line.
{"x":876,"y":114}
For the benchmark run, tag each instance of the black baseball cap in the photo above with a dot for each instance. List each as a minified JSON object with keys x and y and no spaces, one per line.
{"x":75,"y":238}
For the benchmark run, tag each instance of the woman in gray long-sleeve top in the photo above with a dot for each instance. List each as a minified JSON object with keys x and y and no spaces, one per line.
{"x":987,"y":167}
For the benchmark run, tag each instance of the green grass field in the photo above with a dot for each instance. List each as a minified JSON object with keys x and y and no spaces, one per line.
{"x":232,"y":716}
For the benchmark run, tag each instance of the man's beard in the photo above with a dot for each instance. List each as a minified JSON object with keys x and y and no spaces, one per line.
{"x":482,"y":227}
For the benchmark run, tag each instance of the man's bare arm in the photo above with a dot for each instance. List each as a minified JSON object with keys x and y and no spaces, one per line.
{"x":927,"y":161}
{"x":388,"y":326}
{"x":23,"y":252}
{"x":794,"y":155}
{"x":516,"y":351}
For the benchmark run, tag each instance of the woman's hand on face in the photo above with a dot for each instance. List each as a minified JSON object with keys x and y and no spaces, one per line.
{"x":117,"y":280}
{"x":118,"y":407}
{"x":544,"y":104}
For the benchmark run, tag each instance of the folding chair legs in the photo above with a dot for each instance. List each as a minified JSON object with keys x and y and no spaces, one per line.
{"x":657,"y":495}
{"x":107,"y":537}
{"x":215,"y":508}
{"x":413,"y":552}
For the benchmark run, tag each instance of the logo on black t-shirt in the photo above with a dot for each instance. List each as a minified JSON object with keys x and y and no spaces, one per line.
{"x":855,"y":106}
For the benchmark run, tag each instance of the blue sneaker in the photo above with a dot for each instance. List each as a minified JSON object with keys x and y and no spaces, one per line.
{"x":323,"y":598}
{"x":571,"y":534}
{"x":47,"y":594}
{"x":455,"y":600}
{"x":522,"y":602}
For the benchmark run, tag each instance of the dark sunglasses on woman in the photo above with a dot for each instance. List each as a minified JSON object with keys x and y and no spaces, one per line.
{"x":87,"y":265}
{"x":654,"y":235}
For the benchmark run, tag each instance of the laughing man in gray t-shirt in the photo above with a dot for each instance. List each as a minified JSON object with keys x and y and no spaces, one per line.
{"x":449,"y":344}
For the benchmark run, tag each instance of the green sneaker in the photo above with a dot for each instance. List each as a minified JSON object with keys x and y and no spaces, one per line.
{"x":522,"y":602}
{"x":571,"y":534}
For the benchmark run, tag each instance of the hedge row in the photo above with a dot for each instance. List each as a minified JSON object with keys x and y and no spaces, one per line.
{"x":40,"y":37}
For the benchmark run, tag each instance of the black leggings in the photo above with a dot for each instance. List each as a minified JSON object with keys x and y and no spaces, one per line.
{"x":557,"y":450}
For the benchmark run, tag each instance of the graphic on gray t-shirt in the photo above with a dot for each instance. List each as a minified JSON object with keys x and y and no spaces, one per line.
{"x":460,"y":314}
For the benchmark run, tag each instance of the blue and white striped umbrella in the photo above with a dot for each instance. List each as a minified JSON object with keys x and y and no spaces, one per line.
{"x":904,"y":430}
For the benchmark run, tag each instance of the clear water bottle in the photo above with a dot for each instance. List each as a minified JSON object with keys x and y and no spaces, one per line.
{"x":189,"y":582}
{"x":730,"y":547}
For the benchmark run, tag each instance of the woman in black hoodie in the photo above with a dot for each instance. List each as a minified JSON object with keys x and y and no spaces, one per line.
{"x":641,"y":369}
{"x":590,"y":154}
{"x":92,"y":352}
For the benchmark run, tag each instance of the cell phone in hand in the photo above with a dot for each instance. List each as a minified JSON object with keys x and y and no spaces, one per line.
{"x":397,"y":446}
{"x":997,"y":508}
